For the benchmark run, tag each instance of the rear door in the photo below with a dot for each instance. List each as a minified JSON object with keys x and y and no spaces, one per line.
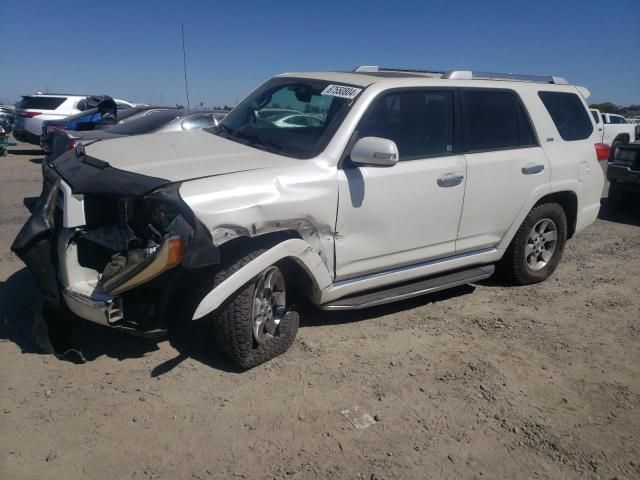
{"x":505,"y":164}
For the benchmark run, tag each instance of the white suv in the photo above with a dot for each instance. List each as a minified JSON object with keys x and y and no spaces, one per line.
{"x":32,"y":110}
{"x":412,"y":182}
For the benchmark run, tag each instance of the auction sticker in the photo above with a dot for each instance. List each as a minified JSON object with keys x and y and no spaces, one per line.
{"x":341,"y":91}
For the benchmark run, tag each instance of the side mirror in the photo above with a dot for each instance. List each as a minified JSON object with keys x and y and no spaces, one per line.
{"x":375,"y":151}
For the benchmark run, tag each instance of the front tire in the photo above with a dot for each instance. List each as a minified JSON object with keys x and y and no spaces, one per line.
{"x":536,"y":249}
{"x":254,"y":325}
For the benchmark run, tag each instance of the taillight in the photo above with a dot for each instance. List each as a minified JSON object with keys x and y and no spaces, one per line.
{"x":29,"y":114}
{"x":602,"y":151}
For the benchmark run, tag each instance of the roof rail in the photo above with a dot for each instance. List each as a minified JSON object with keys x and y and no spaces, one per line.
{"x":471,"y":75}
{"x":376,"y":68}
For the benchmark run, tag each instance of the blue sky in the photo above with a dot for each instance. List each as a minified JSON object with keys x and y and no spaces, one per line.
{"x":132,"y":49}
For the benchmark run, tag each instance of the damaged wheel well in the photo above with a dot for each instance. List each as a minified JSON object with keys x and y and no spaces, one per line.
{"x":235,"y":249}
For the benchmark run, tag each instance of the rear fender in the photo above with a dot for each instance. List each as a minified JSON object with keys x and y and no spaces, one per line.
{"x":295,"y":249}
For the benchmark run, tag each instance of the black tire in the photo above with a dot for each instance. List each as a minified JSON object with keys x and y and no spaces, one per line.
{"x":616,"y":197}
{"x":615,"y":144}
{"x":232,"y":323}
{"x":513,"y":266}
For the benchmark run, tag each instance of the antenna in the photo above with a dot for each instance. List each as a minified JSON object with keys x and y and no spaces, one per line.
{"x":184,"y":63}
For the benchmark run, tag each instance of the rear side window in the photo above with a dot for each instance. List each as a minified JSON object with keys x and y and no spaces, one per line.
{"x":568,"y":114}
{"x":595,"y":116}
{"x":41,"y":103}
{"x":494,"y":120}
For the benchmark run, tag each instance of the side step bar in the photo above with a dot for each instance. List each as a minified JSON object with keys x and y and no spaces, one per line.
{"x":410,"y":290}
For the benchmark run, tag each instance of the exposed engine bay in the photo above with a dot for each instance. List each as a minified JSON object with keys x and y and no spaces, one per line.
{"x":101,"y":254}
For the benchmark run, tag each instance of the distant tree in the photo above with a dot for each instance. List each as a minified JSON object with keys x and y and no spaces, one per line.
{"x":606,"y":107}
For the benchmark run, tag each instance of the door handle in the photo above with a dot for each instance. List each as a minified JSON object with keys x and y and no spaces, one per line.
{"x":532,"y":169}
{"x":450,"y":180}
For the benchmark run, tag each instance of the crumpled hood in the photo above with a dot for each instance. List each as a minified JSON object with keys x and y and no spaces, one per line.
{"x":178,"y":156}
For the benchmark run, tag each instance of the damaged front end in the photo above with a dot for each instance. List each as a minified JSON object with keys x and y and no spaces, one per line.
{"x":110,"y":246}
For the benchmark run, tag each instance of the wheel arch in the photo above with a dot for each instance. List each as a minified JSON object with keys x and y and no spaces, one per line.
{"x":622,"y":137}
{"x":568,"y":200}
{"x":294,"y":253}
{"x":566,"y":197}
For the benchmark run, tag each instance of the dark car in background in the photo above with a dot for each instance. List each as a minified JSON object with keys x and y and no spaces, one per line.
{"x":153,"y":121}
{"x":93,"y":119}
{"x":623,"y":173}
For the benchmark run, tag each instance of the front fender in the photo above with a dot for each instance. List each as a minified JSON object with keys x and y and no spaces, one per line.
{"x":294,"y":249}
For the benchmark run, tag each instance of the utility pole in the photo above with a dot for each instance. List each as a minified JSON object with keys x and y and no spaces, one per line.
{"x":184,"y":62}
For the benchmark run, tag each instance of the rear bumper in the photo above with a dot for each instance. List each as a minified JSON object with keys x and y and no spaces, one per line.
{"x":624,"y":176}
{"x":26,"y":137}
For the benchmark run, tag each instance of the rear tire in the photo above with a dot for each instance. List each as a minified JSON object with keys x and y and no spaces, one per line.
{"x":245,"y":340}
{"x":536,"y":249}
{"x":615,"y":144}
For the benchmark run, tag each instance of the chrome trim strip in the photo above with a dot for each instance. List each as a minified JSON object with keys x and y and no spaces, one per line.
{"x":414,"y":266}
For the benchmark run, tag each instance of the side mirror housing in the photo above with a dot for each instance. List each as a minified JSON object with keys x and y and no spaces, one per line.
{"x":375,"y":151}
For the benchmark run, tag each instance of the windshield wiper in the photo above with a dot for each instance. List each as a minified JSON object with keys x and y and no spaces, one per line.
{"x":267,"y":145}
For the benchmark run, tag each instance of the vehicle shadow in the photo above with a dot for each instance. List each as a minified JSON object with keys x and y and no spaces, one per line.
{"x":312,"y":316}
{"x":19,"y":299}
{"x":194,"y":339}
{"x":197,"y":340}
{"x":629,"y":217}
{"x":30,"y":152}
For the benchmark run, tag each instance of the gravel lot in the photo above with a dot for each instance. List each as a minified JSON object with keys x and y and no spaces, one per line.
{"x":480,"y":382}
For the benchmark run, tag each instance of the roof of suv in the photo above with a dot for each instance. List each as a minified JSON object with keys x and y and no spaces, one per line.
{"x":365,"y":76}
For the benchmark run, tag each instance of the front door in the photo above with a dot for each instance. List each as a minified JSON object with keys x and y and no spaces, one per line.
{"x":390,"y":217}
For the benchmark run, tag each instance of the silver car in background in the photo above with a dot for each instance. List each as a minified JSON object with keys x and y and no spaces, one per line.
{"x":155,"y":121}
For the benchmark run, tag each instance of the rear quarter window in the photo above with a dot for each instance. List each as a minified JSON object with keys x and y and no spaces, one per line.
{"x":568,"y":114}
{"x":41,"y":103}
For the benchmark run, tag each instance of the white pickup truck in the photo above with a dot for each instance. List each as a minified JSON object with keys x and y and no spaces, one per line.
{"x":614,"y":129}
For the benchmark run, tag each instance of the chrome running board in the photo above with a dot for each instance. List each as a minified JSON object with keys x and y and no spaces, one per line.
{"x":410,"y":290}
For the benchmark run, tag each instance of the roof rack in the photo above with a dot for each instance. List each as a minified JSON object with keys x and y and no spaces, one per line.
{"x":470,"y":75}
{"x":375,"y":68}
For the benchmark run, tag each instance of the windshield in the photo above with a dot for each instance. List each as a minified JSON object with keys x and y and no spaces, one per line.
{"x":145,"y":124}
{"x":290,"y":116}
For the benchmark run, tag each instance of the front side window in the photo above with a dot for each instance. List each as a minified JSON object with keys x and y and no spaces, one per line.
{"x":296,"y":117}
{"x":568,"y":114}
{"x":495,"y":120}
{"x":420,"y":122}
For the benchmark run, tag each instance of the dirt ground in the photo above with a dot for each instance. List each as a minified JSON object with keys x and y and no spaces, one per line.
{"x":482,"y":382}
